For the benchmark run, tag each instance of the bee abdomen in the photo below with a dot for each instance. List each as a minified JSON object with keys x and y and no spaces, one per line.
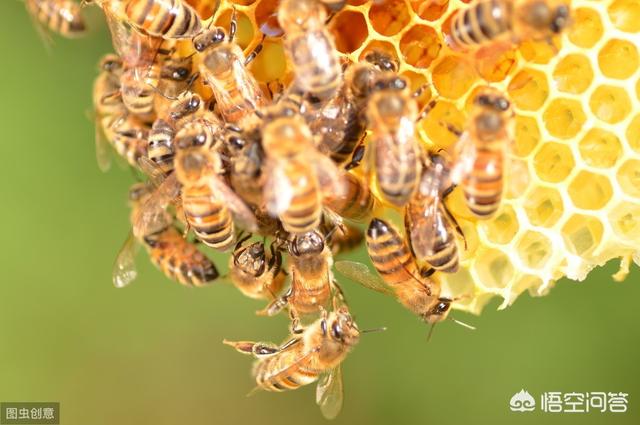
{"x":164,"y":18}
{"x":480,"y":23}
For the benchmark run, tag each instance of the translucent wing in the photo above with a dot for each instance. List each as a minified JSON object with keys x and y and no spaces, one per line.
{"x":103,"y":148}
{"x":430,"y":229}
{"x":361,"y":274}
{"x":152,"y":216}
{"x":124,"y":269}
{"x":237,"y":206}
{"x":329,"y":175}
{"x":330,"y":393}
{"x":278,"y":190}
{"x":465,"y":155}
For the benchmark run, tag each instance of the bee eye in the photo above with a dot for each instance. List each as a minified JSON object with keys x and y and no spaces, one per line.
{"x":399,"y":84}
{"x":336,"y":330}
{"x":180,"y":74}
{"x":442,"y":307}
{"x":379,"y":85}
{"x":323,"y":326}
{"x":218,"y":36}
{"x":199,"y":46}
{"x":236,"y":142}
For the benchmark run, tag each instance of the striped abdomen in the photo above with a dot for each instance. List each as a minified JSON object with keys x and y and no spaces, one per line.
{"x":137,"y":92}
{"x":170,"y":19}
{"x":237,"y":93}
{"x":483,"y":185}
{"x":209,"y":218}
{"x":61,"y":16}
{"x":305,"y":209}
{"x":178,"y":259}
{"x":481,"y":23}
{"x":431,"y":235}
{"x":287,"y":370}
{"x":397,"y":168}
{"x":390,"y":254}
{"x":356,"y":202}
{"x":310,"y":290}
{"x":316,"y":64}
{"x":341,"y":129}
{"x":129,"y":139}
{"x":161,"y":148}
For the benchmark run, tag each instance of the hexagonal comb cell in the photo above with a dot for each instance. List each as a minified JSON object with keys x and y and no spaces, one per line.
{"x":266,"y":17}
{"x":453,"y":76}
{"x":518,"y":178}
{"x":528,"y":89}
{"x":244,"y":34}
{"x":534,"y":249}
{"x":625,"y":15}
{"x":610,"y":104}
{"x":629,"y":177}
{"x":564,"y":118}
{"x":493,"y":268}
{"x":590,"y":191}
{"x":586,"y":29}
{"x":573,"y":74}
{"x":420,"y":46}
{"x":633,"y":134}
{"x":430,"y":10}
{"x":582,"y":234}
{"x":618,"y":59}
{"x":625,"y":220}
{"x":527,"y":135}
{"x":389,"y":17}
{"x":349,"y":30}
{"x":544,"y":206}
{"x":553,"y":162}
{"x":503,"y":227}
{"x":495,"y":63}
{"x":600,"y":148}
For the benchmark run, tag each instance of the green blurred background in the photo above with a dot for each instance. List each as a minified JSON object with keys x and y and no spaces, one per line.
{"x":152,"y":353}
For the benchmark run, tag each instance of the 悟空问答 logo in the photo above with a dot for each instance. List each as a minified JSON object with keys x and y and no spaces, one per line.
{"x":522,"y":401}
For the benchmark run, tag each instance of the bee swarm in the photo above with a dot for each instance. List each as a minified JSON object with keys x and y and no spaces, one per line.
{"x":571,"y":197}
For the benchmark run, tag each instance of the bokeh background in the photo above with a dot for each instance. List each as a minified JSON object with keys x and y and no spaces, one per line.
{"x":152,"y":353}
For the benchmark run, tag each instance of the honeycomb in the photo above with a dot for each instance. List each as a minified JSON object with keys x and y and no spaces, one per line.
{"x":572,"y":198}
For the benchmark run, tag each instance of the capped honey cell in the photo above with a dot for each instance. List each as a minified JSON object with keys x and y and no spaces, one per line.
{"x":618,"y":59}
{"x":586,"y":29}
{"x":573,"y":74}
{"x":590,"y":191}
{"x":625,"y":15}
{"x":600,"y":148}
{"x":610,"y":104}
{"x":564,"y":118}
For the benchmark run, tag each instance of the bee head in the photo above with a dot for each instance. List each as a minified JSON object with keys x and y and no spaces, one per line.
{"x":193,"y":134}
{"x":382,"y":61}
{"x":340,"y":327}
{"x":111,"y":63}
{"x":390,"y":82}
{"x":310,"y":243}
{"x":188,"y":103}
{"x":207,"y":38}
{"x":192,"y":165}
{"x":251,"y":259}
{"x":494,"y":101}
{"x":301,"y":15}
{"x":438,"y":312}
{"x":560,"y":18}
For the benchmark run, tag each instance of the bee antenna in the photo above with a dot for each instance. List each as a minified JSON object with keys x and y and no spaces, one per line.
{"x":433,"y":326}
{"x":463,"y":324}
{"x":380,"y":329}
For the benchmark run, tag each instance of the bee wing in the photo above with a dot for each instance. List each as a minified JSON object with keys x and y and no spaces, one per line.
{"x":465,"y":157}
{"x":152,"y":216}
{"x":361,"y":274}
{"x":232,"y":201}
{"x":103,"y":148}
{"x":151,"y":170}
{"x":124,"y":269}
{"x":329,"y":175}
{"x":330,"y":393}
{"x":278,"y":191}
{"x":430,"y":229}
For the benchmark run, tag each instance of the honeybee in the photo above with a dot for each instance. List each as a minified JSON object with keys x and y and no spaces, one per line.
{"x":177,"y":258}
{"x":107,"y":106}
{"x":255,"y":274}
{"x":161,"y":149}
{"x":400,"y":275}
{"x":310,"y":48}
{"x":487,"y":21}
{"x":128,"y":135}
{"x":224,"y":68}
{"x":429,"y":223}
{"x":246,"y":160}
{"x":207,"y":201}
{"x":63,"y":17}
{"x":354,"y":202}
{"x":169,"y":19}
{"x":311,"y":277}
{"x":296,"y":174}
{"x":392,"y":114}
{"x":315,"y":354}
{"x":481,"y":150}
{"x":334,"y":5}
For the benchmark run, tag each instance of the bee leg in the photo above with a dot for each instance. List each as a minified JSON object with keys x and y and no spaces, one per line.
{"x":255,"y":52}
{"x":233,"y":26}
{"x":338,"y":295}
{"x":295,"y":327}
{"x":255,"y":349}
{"x":420,"y":91}
{"x":452,"y":129}
{"x":356,"y":157}
{"x":242,"y":239}
{"x":450,"y":216}
{"x":423,"y":114}
{"x":275,"y":262}
{"x":276,"y":306}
